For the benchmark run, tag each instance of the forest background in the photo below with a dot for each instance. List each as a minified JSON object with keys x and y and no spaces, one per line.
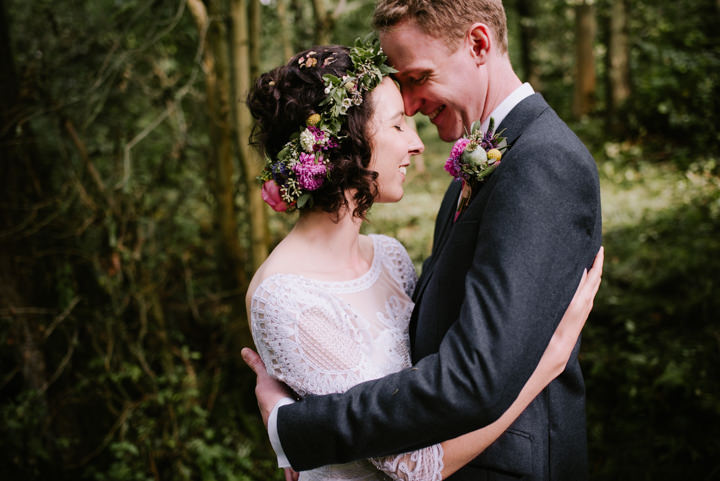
{"x":130,"y":223}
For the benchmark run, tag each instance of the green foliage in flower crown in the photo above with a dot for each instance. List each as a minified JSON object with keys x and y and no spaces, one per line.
{"x":342,"y":93}
{"x":368,"y":70}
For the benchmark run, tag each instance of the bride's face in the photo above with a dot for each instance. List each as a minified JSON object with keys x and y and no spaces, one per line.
{"x":393,"y":141}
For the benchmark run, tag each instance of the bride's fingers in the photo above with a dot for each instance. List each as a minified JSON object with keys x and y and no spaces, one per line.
{"x":595,"y":273}
{"x":582,"y":301}
{"x":594,"y":277}
{"x":579,"y":292}
{"x":590,"y":282}
{"x":252,"y":359}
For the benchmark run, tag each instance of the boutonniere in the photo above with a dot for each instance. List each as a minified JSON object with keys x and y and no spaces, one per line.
{"x":473,"y":158}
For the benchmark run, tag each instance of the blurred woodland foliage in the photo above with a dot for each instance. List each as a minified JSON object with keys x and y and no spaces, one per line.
{"x":130,"y":225}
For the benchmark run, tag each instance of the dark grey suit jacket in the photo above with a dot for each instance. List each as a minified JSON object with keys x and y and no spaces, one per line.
{"x":490,"y":296}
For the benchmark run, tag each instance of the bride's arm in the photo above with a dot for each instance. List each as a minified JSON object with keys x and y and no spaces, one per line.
{"x":457,"y":452}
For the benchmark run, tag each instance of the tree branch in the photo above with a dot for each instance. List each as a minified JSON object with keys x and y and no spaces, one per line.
{"x":82,"y":150}
{"x":61,"y":317}
{"x":63,"y":364}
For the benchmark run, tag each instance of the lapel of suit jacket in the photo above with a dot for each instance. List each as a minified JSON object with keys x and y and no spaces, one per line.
{"x":445,"y":215}
{"x":513,"y":124}
{"x":519,"y":117}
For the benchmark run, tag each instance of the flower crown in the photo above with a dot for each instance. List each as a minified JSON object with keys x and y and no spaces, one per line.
{"x":302,"y":166}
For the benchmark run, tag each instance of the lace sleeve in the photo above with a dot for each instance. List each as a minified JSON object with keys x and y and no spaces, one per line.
{"x":421,"y":465}
{"x":305,"y":339}
{"x":400,"y":264}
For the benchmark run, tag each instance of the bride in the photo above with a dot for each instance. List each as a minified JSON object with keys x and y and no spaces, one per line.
{"x":330,"y":307}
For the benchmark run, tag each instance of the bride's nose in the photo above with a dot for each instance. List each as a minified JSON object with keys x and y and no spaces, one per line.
{"x":415,"y":146}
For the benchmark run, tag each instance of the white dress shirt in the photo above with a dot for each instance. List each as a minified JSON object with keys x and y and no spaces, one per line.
{"x":504,"y":108}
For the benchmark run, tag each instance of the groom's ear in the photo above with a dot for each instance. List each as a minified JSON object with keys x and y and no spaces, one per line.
{"x":479,"y":40}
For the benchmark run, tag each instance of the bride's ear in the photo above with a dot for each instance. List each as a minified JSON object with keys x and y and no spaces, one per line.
{"x":479,"y":39}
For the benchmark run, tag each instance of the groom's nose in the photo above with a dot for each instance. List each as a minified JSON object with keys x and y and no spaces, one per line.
{"x":411,"y":101}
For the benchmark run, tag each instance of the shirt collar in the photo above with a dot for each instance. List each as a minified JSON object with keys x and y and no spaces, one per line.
{"x":501,"y":111}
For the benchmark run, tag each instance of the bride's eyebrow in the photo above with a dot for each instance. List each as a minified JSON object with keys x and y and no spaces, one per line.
{"x":397,"y":116}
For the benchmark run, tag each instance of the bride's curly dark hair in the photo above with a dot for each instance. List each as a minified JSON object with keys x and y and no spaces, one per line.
{"x":281,"y":101}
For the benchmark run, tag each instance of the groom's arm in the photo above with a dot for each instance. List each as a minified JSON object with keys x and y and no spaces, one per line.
{"x":539,"y":230}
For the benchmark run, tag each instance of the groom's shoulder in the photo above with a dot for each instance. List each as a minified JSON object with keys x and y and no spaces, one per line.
{"x":548,"y":153}
{"x":549,"y":129}
{"x":548,"y":141}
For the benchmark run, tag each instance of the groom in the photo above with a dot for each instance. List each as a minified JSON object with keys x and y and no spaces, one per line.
{"x":497,"y":282}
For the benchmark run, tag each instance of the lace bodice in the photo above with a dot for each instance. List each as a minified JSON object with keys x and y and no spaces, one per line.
{"x":322,"y":337}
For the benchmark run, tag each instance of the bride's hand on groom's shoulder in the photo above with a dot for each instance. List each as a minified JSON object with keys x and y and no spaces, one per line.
{"x":268,"y":390}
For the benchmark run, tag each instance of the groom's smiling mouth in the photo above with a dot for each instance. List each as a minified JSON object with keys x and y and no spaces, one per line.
{"x":435,"y":112}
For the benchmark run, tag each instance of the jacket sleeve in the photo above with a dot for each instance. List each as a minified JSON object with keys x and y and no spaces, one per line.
{"x":539,"y":229}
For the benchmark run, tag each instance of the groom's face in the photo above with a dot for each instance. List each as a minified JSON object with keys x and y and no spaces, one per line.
{"x":443,"y":83}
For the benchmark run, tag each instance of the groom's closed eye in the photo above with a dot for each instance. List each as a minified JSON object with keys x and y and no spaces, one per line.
{"x":419,"y":79}
{"x":413,"y":79}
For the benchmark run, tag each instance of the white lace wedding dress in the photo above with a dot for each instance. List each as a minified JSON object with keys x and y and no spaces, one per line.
{"x":323,"y":337}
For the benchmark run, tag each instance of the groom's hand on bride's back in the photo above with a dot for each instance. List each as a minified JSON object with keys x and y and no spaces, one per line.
{"x":268,"y":390}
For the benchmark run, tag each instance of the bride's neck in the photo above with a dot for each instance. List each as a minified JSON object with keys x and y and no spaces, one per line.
{"x":331,"y":236}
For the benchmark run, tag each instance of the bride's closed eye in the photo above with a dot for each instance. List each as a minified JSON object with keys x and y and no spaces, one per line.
{"x":399,"y":128}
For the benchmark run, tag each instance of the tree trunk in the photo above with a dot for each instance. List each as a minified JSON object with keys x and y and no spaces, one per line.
{"x":323,"y":23}
{"x":216,"y":66}
{"x":22,"y":191}
{"x":300,"y":26}
{"x":284,"y":30}
{"x":618,"y":60}
{"x":243,"y":60}
{"x":585,"y":78}
{"x":254,"y":40}
{"x":528,"y":33}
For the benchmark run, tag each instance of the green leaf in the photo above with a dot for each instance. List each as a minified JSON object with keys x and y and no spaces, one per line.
{"x":304,"y":199}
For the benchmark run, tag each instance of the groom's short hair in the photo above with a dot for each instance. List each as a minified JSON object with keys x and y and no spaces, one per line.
{"x":444,"y":19}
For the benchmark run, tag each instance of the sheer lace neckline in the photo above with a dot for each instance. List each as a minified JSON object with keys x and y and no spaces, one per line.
{"x":339,"y":287}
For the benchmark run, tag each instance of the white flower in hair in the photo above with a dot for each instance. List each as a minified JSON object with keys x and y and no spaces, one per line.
{"x":307,"y":140}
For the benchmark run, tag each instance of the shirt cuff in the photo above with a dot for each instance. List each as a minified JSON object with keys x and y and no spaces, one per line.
{"x":273,"y":433}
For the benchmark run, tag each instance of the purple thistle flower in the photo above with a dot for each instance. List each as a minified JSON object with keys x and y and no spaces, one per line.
{"x":489,"y":140}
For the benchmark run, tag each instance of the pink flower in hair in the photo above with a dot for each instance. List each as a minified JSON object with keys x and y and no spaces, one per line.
{"x":271,"y":194}
{"x":310,"y":171}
